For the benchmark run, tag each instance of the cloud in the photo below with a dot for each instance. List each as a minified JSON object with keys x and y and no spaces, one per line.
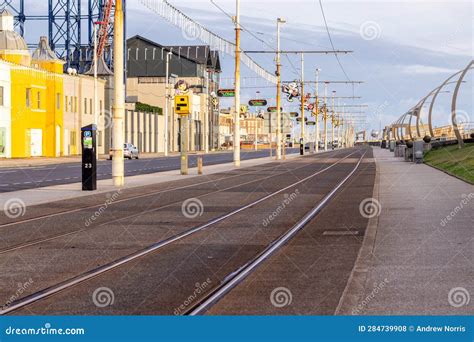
{"x":425,"y":69}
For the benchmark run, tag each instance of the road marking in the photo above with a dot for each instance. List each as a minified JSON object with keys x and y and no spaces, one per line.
{"x":7,"y":171}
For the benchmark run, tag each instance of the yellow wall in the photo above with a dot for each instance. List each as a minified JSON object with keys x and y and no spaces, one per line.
{"x":17,"y":57}
{"x":46,"y":116}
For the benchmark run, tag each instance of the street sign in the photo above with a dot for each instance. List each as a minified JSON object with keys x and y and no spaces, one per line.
{"x":181,"y":105}
{"x":257,"y":103}
{"x":273,"y":109}
{"x":244,"y":109}
{"x":226,"y":93}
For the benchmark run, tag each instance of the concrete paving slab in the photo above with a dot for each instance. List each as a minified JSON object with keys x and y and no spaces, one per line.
{"x":418,"y":253}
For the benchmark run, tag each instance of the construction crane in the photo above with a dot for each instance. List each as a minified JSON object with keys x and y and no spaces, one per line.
{"x":103,"y":35}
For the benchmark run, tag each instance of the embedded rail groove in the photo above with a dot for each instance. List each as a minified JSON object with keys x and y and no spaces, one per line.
{"x":58,"y":236}
{"x":54,"y":289}
{"x":236,"y":277}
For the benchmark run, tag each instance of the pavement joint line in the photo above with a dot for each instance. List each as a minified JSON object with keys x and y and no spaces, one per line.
{"x":124,"y":260}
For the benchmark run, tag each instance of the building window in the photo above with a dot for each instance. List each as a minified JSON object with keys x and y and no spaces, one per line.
{"x":39,"y":100}
{"x":85,"y":106}
{"x":100,"y":107}
{"x":65,"y":104}
{"x":90,"y":106}
{"x":28,"y":97}
{"x":99,"y":138}
{"x":75,"y":104}
{"x":58,"y":101}
{"x":1,"y":95}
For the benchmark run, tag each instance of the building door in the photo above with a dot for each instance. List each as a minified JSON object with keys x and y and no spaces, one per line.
{"x":58,"y":141}
{"x":3,"y":141}
{"x":198,"y":136}
{"x":36,"y":142}
{"x":67,"y":143}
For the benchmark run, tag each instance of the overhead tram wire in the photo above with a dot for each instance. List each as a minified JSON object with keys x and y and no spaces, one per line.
{"x":241,"y":26}
{"x":332,"y":44}
{"x":254,"y":35}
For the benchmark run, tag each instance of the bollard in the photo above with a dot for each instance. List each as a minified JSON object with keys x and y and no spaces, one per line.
{"x":199,"y":165}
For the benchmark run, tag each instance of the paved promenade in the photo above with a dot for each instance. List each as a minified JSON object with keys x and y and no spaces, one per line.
{"x":418,"y":253}
{"x":73,"y":190}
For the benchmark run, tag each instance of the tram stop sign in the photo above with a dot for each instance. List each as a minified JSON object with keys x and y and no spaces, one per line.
{"x":181,"y":105}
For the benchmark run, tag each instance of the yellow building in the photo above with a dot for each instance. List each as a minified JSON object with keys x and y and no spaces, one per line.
{"x":36,"y":95}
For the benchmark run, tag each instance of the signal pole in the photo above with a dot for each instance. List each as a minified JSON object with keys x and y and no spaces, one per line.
{"x":332,"y":118}
{"x":119,"y":101}
{"x":325,"y":116}
{"x":317,"y":110}
{"x":237,"y":87}
{"x":302,"y":104}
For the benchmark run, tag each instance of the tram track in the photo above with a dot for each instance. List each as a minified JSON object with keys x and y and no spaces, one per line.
{"x":96,"y":272}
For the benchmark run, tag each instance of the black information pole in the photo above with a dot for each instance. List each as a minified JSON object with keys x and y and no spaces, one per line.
{"x":89,"y":157}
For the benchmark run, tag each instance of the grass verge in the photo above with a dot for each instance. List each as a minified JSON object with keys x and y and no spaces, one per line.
{"x":452,"y":160}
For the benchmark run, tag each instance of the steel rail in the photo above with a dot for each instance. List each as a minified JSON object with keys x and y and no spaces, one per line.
{"x":234,"y":278}
{"x":54,"y":289}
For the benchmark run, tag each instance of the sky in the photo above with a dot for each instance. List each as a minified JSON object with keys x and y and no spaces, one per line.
{"x":401,"y":49}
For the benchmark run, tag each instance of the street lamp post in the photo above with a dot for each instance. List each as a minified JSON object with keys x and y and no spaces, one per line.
{"x":278,"y":95}
{"x":167,"y":97}
{"x":302,"y":106}
{"x":317,"y":111}
{"x":237,"y":87}
{"x":119,"y":100}
{"x":96,"y":91}
{"x":325,"y":116}
{"x":332,"y":118}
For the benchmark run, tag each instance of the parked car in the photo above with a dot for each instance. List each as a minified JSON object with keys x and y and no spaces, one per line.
{"x":129,"y":151}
